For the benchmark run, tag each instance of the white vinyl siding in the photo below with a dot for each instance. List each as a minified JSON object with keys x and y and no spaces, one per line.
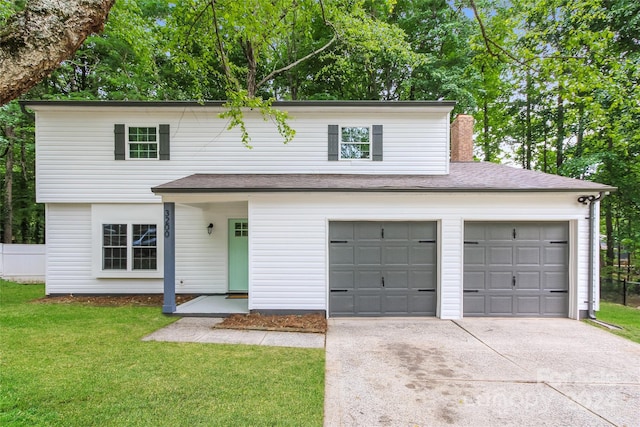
{"x":201,"y":259}
{"x":75,"y":148}
{"x":288,"y":246}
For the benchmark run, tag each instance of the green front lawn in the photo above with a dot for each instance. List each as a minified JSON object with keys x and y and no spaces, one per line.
{"x":627,"y":318}
{"x":77,"y":365}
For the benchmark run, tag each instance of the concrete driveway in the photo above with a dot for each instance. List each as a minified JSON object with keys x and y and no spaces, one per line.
{"x":479,"y":372}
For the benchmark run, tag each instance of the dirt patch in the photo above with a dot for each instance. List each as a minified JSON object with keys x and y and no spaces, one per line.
{"x":315,"y":323}
{"x":155,"y":300}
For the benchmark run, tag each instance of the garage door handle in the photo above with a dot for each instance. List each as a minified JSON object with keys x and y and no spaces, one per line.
{"x":339,"y":241}
{"x":426,"y":290}
{"x":558,"y":242}
{"x":426,"y":241}
{"x":470,"y":291}
{"x":559,"y":292}
{"x":468,"y":242}
{"x":339,"y":290}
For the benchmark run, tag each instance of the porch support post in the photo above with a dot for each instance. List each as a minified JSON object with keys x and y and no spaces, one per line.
{"x":169,"y":305}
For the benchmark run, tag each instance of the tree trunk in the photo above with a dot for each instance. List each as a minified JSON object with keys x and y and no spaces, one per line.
{"x":560,"y":135}
{"x":8,"y":189}
{"x":36,"y":40}
{"x":529,"y":136}
{"x":252,"y":68}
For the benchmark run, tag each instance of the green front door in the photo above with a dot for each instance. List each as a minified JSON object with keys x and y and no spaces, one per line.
{"x":238,"y":255}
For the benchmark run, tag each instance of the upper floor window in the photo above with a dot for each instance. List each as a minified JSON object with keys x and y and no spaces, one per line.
{"x":143,"y":143}
{"x":355,"y":143}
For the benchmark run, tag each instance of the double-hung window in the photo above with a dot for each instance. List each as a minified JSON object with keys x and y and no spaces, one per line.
{"x":142,"y":142}
{"x":355,"y":142}
{"x":129,"y":247}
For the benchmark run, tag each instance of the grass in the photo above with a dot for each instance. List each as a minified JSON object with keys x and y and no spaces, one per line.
{"x":77,"y":365}
{"x":627,"y":318}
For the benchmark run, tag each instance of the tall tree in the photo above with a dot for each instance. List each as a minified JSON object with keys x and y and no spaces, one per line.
{"x":35,"y":40}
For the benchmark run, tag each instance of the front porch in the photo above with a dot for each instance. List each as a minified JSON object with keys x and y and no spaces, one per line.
{"x":213,"y":306}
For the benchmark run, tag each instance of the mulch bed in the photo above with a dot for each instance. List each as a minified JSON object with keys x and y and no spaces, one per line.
{"x":155,"y":300}
{"x":314,"y":323}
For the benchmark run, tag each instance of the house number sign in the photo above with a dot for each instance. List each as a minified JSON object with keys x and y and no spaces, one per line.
{"x":167,"y":223}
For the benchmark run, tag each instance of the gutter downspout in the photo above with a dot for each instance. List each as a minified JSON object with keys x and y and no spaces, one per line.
{"x":591,"y":200}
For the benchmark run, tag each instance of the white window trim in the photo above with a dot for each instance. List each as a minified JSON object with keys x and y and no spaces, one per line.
{"x":340,"y":142}
{"x":127,"y":143}
{"x":126,"y":214}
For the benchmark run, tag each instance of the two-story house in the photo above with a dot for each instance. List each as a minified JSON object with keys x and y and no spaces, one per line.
{"x":374,"y":209}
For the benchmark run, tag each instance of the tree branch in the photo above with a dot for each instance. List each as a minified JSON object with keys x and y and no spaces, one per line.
{"x":38,"y":39}
{"x":293,"y":64}
{"x":488,"y":42}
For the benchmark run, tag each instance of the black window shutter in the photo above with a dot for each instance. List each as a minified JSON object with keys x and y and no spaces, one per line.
{"x":334,"y":143}
{"x":120,"y":146}
{"x":376,"y":146}
{"x":165,"y":148}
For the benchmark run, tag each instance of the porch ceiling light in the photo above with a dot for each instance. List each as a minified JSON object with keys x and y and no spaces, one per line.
{"x":210,"y":228}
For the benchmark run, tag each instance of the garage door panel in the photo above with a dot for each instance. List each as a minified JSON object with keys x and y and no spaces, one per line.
{"x":556,"y":280}
{"x":499,"y":233}
{"x":368,"y":255}
{"x":422,"y":254}
{"x":524,"y":271}
{"x":474,"y":305}
{"x":422,"y":279}
{"x":474,"y":280}
{"x":342,"y":303}
{"x":555,"y":255}
{"x":528,"y":256}
{"x":527,"y":232}
{"x":342,"y":279}
{"x":367,"y":231}
{"x":500,"y":256}
{"x":396,"y":304}
{"x":499,"y":280}
{"x":366,"y":279}
{"x":555,"y":304}
{"x":556,"y":232}
{"x":527,"y":305}
{"x":342,"y":231}
{"x":423,"y":231}
{"x":528,"y":280}
{"x":423,"y":304}
{"x":396,"y":231}
{"x":342,"y":255}
{"x":474,"y":256}
{"x":396,"y":279}
{"x":499,"y":305}
{"x":368,"y":304}
{"x":396,"y":255}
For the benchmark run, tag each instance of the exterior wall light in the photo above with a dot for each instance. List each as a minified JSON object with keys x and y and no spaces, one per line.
{"x":210,"y":228}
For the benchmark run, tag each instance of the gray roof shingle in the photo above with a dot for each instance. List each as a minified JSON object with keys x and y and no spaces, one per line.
{"x":463,"y":176}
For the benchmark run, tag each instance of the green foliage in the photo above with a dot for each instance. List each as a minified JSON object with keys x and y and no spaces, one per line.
{"x":75,"y":365}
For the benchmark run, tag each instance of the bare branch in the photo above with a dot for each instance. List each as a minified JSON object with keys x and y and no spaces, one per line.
{"x":293,"y":64}
{"x":488,"y":42}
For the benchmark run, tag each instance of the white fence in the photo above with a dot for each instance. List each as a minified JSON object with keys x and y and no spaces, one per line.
{"x":23,"y":263}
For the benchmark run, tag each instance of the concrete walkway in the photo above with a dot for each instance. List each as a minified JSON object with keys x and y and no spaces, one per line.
{"x":479,"y":372}
{"x":200,"y":329}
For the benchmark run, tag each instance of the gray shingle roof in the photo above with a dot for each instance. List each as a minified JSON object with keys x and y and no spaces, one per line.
{"x":463,"y":176}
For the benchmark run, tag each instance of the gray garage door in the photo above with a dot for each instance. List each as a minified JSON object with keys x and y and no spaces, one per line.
{"x":382,"y":268}
{"x":516,"y":269}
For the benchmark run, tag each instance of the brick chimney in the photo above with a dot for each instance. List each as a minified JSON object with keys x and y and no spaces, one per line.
{"x":462,"y":139}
